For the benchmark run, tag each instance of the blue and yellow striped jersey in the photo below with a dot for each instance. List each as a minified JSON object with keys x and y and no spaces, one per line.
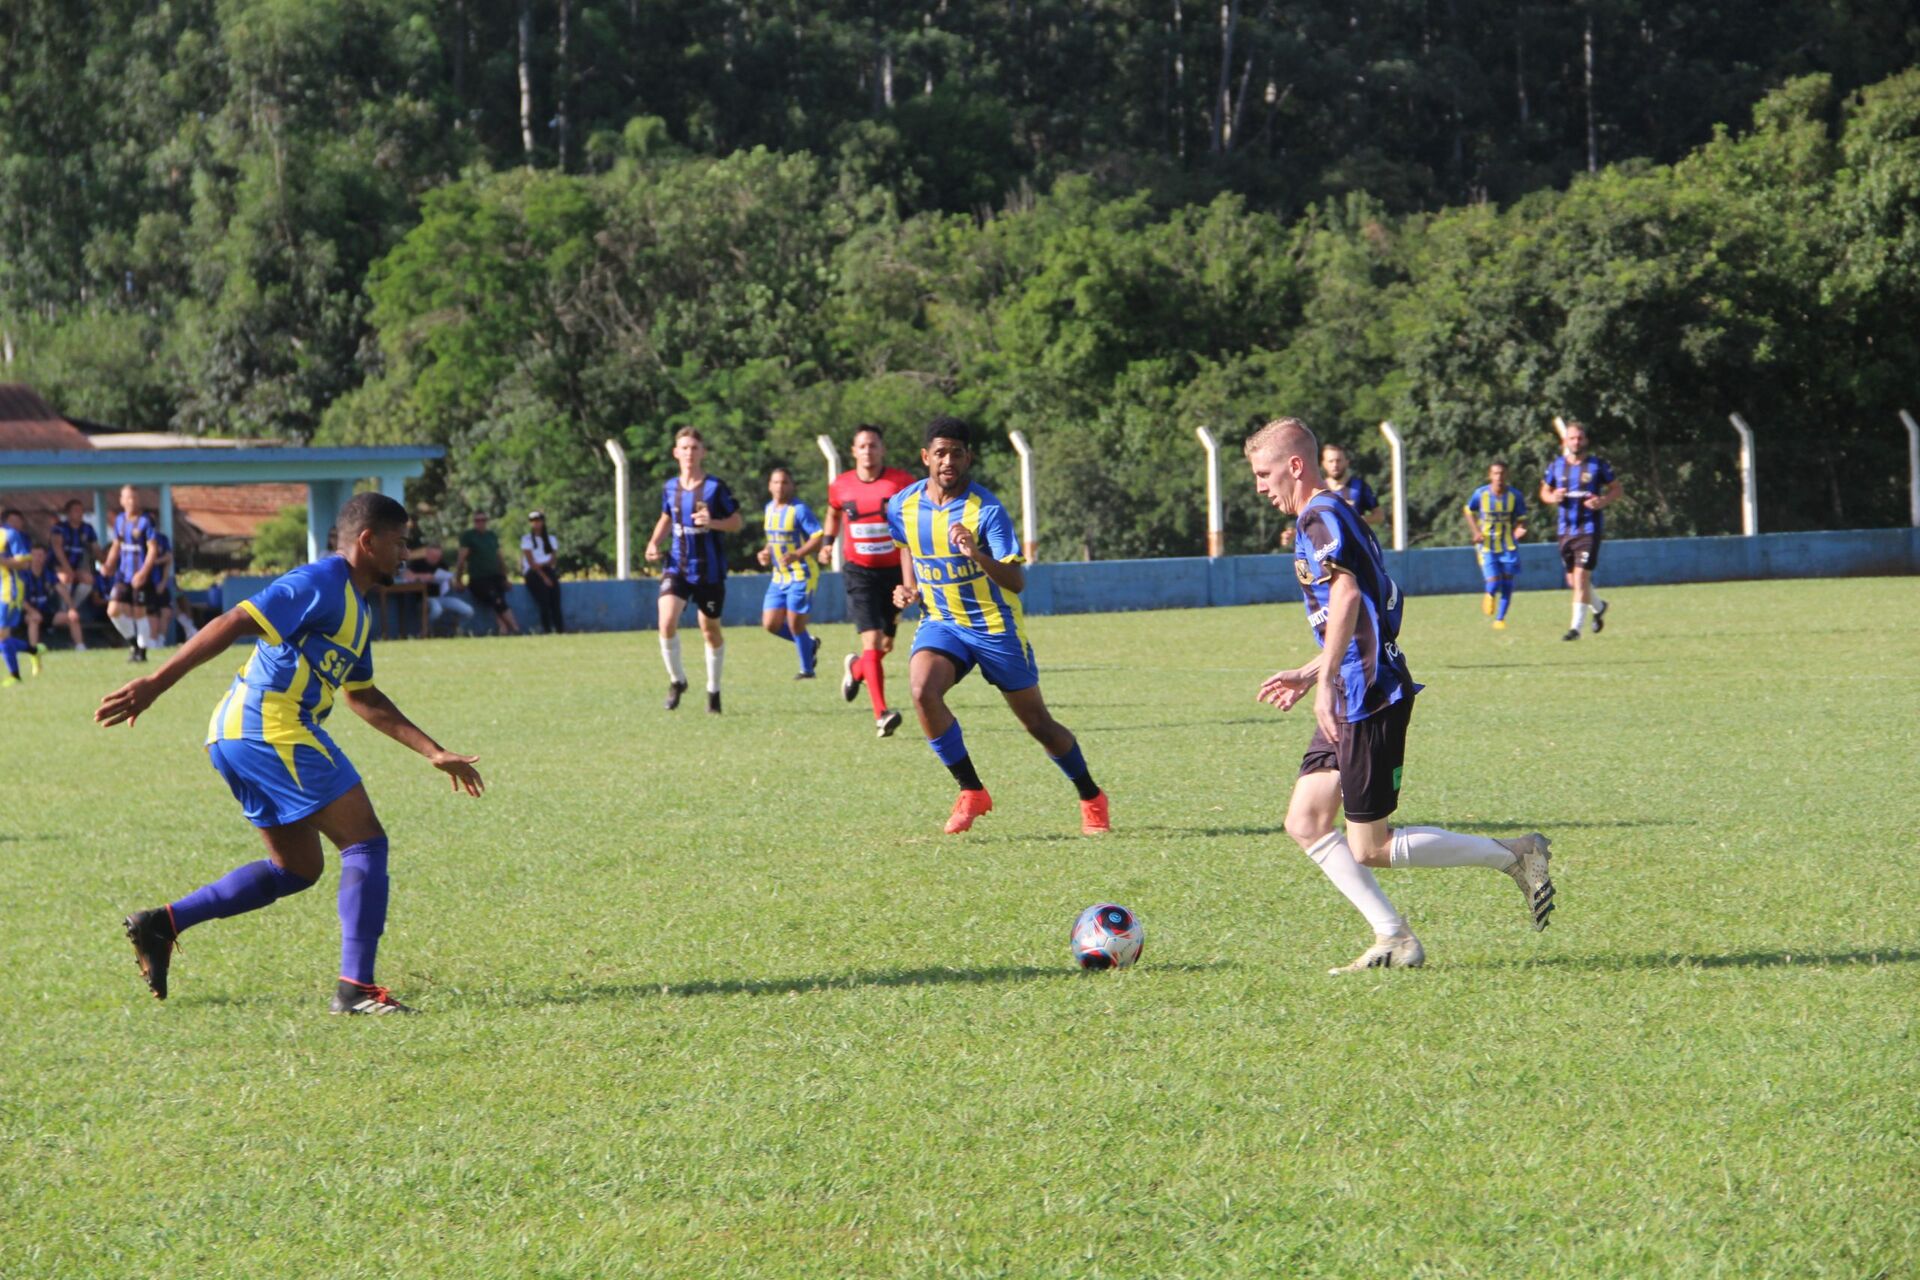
{"x":13,"y":543}
{"x":1497,"y":514}
{"x":953,"y":588}
{"x":789,"y":525}
{"x":316,"y":644}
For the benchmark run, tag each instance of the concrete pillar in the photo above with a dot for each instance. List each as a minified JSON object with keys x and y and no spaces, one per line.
{"x":166,"y":520}
{"x":324,"y":500}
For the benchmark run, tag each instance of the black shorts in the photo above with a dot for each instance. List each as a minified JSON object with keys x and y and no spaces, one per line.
{"x":710,"y":598}
{"x":1369,"y":757}
{"x":124,"y":593}
{"x":870,"y":598}
{"x":490,"y":589}
{"x":1581,"y":551}
{"x":153,"y":599}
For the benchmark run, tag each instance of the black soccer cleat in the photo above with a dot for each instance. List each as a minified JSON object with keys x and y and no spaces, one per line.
{"x":152,"y":936}
{"x":674,"y":689}
{"x":363,"y":997}
{"x":849,"y":682}
{"x":886,"y":724}
{"x":713,"y":702}
{"x":1572,"y":634}
{"x":805,"y":675}
{"x":1599,"y":617}
{"x":136,"y":654}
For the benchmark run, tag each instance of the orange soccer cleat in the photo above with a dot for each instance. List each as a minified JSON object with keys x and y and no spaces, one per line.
{"x":1093,"y":816}
{"x":969,"y":806}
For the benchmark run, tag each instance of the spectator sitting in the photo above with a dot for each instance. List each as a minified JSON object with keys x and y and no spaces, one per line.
{"x":76,"y":545}
{"x":423,"y":557}
{"x":542,"y":574}
{"x":440,"y":599}
{"x":41,"y":584}
{"x":486,"y":578}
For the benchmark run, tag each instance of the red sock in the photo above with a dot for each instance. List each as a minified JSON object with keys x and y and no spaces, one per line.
{"x":876,"y":682}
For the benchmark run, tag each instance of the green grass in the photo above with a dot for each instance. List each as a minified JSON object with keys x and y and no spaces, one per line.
{"x":714,"y":998}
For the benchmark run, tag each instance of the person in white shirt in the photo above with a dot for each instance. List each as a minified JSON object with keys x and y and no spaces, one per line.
{"x":441,"y":600}
{"x":541,"y":573}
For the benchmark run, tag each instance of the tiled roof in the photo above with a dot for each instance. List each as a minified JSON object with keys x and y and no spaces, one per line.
{"x":28,"y":423}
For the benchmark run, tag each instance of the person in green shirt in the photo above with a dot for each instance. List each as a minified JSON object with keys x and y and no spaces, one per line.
{"x":486,"y":578}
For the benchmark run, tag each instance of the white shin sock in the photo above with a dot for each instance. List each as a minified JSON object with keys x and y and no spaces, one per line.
{"x":1434,"y":847}
{"x":143,"y":631}
{"x":1579,"y":613}
{"x":123,"y":624}
{"x":715,"y":656}
{"x":670,"y":654}
{"x":1357,"y":884}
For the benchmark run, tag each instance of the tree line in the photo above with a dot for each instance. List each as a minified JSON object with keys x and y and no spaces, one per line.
{"x":518,"y":229}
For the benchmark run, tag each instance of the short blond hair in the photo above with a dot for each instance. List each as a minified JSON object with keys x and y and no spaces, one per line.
{"x":685,"y":432}
{"x":1289,"y":435}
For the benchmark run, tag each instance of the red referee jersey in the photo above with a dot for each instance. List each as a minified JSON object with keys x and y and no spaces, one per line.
{"x":863,"y":505}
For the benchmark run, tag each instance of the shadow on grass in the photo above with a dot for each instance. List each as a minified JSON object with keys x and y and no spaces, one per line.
{"x":860,"y":979}
{"x":1787,"y":959}
{"x":1554,"y":826}
{"x":1074,"y":837}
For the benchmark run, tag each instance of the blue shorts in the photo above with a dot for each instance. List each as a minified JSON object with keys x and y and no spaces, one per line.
{"x":1499,"y":564}
{"x":12,"y":617}
{"x":269,"y":795}
{"x":794,"y":597}
{"x":1006,"y":660}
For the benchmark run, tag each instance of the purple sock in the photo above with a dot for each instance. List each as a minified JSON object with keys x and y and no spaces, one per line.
{"x":247,"y":888}
{"x":363,"y":907}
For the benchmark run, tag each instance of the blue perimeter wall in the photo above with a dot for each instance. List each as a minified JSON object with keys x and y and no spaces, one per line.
{"x":1104,"y":586}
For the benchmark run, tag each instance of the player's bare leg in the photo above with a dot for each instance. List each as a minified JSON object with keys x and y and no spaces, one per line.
{"x":932,"y":674}
{"x":1030,"y":708}
{"x":671,"y":607}
{"x":1311,"y":811}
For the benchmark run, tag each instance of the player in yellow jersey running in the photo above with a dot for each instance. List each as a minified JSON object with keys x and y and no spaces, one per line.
{"x":963,"y":566}
{"x":1495,"y":515}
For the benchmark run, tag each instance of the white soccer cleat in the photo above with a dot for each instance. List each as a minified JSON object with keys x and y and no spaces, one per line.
{"x":1402,"y":952}
{"x":1529,"y":871}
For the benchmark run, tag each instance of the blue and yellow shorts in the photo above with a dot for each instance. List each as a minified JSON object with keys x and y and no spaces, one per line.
{"x":1006,"y":660}
{"x":1499,"y":564}
{"x":272,"y":793}
{"x":794,"y":597}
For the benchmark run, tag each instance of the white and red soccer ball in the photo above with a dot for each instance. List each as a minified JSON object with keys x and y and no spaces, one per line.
{"x":1107,"y":937}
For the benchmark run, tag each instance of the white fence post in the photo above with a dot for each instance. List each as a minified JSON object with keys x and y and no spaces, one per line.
{"x":622,"y":553}
{"x":1398,"y":449}
{"x":832,"y":456}
{"x":1913,"y":465}
{"x":1025,"y":450}
{"x":1749,"y":496}
{"x":1216,"y":525}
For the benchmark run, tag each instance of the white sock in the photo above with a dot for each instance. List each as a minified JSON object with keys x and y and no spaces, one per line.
{"x":1579,"y":611}
{"x":715,"y":656}
{"x":187,"y":627}
{"x":1433,"y":847}
{"x":1356,"y":882}
{"x":123,"y":624}
{"x":670,"y":654}
{"x":143,"y":627}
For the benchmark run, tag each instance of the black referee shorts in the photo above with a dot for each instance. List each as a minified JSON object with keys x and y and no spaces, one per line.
{"x":870,"y":597}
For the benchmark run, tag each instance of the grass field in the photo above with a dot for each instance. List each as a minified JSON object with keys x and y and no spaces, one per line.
{"x":715,"y":998}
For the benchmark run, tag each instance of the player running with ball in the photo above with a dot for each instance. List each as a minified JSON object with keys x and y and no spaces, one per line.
{"x":1362,"y":702}
{"x":963,"y":565}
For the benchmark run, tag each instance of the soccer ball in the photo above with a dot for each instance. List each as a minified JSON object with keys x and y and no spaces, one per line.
{"x":1107,"y":937}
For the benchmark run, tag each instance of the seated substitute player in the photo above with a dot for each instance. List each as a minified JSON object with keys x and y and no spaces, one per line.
{"x":16,"y":558}
{"x":76,"y":546}
{"x":965,"y":560}
{"x":1493,"y":518}
{"x":1582,"y":487}
{"x":859,"y":498}
{"x":793,"y":535}
{"x":157,"y":599}
{"x":696,"y":508}
{"x":1361,"y":711}
{"x":266,"y":739}
{"x":42,"y":588}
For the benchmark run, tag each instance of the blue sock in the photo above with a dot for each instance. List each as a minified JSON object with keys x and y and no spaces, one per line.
{"x":247,"y":888}
{"x":952,"y":751}
{"x":1506,"y":597}
{"x":363,"y":907}
{"x":804,"y":642}
{"x":12,"y":649}
{"x":783,"y":632}
{"x":1074,"y":765}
